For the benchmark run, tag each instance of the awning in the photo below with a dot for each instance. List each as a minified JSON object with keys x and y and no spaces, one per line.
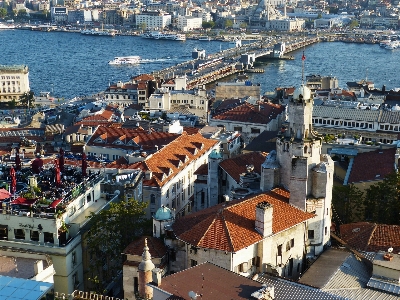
{"x":23,"y":201}
{"x":54,"y":203}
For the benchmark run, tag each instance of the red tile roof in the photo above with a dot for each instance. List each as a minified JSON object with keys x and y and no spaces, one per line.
{"x":237,"y":165}
{"x":143,"y":77}
{"x":209,"y":281}
{"x":371,"y":237}
{"x":202,"y":170}
{"x":251,"y":113}
{"x":230,"y":226}
{"x":380,"y":164}
{"x":171,"y":159}
{"x":132,"y":139}
{"x":156,"y":246}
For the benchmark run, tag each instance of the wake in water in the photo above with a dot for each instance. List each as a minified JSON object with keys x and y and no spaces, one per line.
{"x":156,"y":60}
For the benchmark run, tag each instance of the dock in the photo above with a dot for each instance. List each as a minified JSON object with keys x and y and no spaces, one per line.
{"x":233,"y":61}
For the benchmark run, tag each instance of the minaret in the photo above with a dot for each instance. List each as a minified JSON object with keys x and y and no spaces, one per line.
{"x":214,"y":159}
{"x":145,"y":273}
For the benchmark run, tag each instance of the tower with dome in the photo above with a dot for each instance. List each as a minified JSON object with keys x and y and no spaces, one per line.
{"x":299,"y":167}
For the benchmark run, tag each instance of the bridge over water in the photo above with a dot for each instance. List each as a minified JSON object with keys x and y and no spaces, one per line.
{"x":234,"y":60}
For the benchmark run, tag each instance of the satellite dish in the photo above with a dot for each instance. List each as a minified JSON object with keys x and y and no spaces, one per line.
{"x":192,"y":295}
{"x":390,"y":250}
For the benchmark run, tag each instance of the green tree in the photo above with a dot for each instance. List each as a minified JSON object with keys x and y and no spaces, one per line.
{"x":208,"y":25}
{"x":228,"y":23}
{"x":382,"y":201}
{"x":243,"y":25}
{"x":142,"y":26}
{"x":347,"y":201}
{"x":3,"y":12}
{"x":12,"y":104}
{"x":22,"y":13}
{"x":111,"y":231}
{"x":27,"y":99}
{"x":353,"y":24}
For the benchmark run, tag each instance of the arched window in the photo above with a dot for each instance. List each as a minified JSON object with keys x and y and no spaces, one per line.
{"x":153,"y":199}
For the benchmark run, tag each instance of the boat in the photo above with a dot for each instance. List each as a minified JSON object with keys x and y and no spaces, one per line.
{"x":383,"y":43}
{"x":204,"y":38}
{"x":158,"y":35}
{"x":7,"y":26}
{"x":97,"y":32}
{"x":125,"y":60}
{"x":392,"y":45}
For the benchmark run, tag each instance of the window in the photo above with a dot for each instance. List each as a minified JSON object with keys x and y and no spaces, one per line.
{"x":311,"y":234}
{"x":152,"y":199}
{"x":193,"y":263}
{"x":19,"y":234}
{"x":74,"y":258}
{"x":280,"y":250}
{"x":326,"y":230}
{"x":255,"y":130}
{"x":237,"y":128}
{"x":34,"y":235}
{"x":287,"y":246}
{"x":202,"y":197}
{"x":167,"y":194}
{"x":290,"y":271}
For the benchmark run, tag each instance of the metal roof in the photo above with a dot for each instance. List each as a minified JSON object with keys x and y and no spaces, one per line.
{"x":12,"y":288}
{"x":345,"y":113}
{"x":286,"y":289}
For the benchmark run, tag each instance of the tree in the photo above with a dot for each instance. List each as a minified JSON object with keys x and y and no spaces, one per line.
{"x":228,"y":23}
{"x":142,"y":26}
{"x":22,"y":13}
{"x":243,"y":25}
{"x":208,"y":25}
{"x":382,"y":201}
{"x":111,"y":231}
{"x":3,"y":12}
{"x":347,"y":201}
{"x":27,"y":99}
{"x":353,"y":24}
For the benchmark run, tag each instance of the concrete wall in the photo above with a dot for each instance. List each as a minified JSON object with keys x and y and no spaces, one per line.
{"x":223,"y":91}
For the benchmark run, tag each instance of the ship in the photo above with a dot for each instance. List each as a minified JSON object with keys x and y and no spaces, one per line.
{"x":157,"y":35}
{"x":97,"y":32}
{"x":125,"y":60}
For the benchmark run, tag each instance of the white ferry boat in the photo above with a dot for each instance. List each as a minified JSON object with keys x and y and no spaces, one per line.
{"x":157,"y":35}
{"x":204,"y":38}
{"x":125,"y":60}
{"x":97,"y":32}
{"x":7,"y":26}
{"x":392,"y":45}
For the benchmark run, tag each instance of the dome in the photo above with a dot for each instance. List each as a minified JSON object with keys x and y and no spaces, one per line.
{"x":215,"y":154}
{"x":163,"y":214}
{"x":302,"y":90}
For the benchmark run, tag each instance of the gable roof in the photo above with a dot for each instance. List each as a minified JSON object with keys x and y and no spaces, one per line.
{"x":251,"y":113}
{"x":371,"y":237}
{"x":237,"y":165}
{"x":156,"y":246}
{"x":164,"y":164}
{"x":130,"y":139}
{"x":380,"y":164}
{"x":230,"y":226}
{"x":211,"y":282}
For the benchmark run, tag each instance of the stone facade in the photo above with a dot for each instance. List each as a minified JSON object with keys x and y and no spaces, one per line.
{"x":14,"y":82}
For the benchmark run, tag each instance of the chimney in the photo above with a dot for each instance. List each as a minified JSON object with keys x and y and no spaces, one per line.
{"x":263,"y":220}
{"x":156,"y":272}
{"x":148,"y":174}
{"x":38,"y":266}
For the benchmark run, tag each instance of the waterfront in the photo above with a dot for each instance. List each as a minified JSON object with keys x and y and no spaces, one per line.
{"x":71,"y":64}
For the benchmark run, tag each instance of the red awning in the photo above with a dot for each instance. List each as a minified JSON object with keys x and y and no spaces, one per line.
{"x":4,"y":194}
{"x":55,"y":203}
{"x":23,"y":201}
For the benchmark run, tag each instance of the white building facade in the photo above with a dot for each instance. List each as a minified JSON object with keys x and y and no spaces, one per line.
{"x":14,"y":82}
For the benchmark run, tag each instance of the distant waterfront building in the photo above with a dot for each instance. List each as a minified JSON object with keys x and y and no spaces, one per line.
{"x":186,"y":23}
{"x":13,"y":82}
{"x":59,"y":14}
{"x":153,"y":19}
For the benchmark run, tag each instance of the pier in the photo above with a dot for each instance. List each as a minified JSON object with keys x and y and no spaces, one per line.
{"x":234,"y":60}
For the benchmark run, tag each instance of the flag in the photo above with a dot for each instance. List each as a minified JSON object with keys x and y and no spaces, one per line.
{"x":303,"y":57}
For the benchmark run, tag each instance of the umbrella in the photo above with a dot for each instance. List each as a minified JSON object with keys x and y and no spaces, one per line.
{"x":61,"y":160}
{"x":17,"y":160}
{"x":37,"y":165}
{"x":58,"y":177}
{"x":84,"y":164}
{"x":13,"y":181}
{"x":4,"y":194}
